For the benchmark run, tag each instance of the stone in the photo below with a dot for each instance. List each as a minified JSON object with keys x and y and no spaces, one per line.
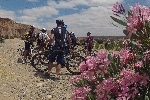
{"x":49,"y":96}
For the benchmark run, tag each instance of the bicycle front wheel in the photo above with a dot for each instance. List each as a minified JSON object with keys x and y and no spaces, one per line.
{"x":36,"y":62}
{"x":72,"y":64}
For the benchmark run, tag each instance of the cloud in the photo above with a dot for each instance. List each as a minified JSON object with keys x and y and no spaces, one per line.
{"x":32,"y":0}
{"x":102,"y":2}
{"x":36,"y":15}
{"x":95,"y":19}
{"x":27,"y":19}
{"x":6,"y":14}
{"x":70,"y":4}
{"x":45,"y":11}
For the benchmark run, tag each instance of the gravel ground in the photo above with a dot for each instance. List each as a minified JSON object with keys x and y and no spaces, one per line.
{"x":22,"y":82}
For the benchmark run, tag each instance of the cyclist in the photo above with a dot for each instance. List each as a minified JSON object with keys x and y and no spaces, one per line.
{"x":59,"y":35}
{"x":38,"y":40}
{"x":73,"y":40}
{"x":89,"y":43}
{"x":29,"y":37}
{"x":67,"y":40}
{"x":44,"y":38}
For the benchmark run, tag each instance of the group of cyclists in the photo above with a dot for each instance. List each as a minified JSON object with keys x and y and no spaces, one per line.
{"x":60,"y":39}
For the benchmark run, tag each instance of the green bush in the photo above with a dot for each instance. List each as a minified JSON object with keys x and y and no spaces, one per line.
{"x":96,"y":45}
{"x":1,"y":39}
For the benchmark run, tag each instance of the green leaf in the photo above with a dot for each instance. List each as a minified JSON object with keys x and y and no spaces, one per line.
{"x":146,"y":98}
{"x":129,"y":12}
{"x":134,"y":43}
{"x":115,"y":25}
{"x":91,"y":96}
{"x":119,"y":21}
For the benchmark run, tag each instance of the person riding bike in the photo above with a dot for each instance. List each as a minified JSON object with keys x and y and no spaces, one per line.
{"x":89,"y":43}
{"x":59,"y":35}
{"x":29,"y":38}
{"x":44,"y":38}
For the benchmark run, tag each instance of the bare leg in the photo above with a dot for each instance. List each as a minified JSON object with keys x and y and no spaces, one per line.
{"x":58,"y":68}
{"x":50,"y":66}
{"x":25,"y":55}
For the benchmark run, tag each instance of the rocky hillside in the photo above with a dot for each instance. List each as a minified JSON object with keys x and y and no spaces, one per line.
{"x":10,"y":28}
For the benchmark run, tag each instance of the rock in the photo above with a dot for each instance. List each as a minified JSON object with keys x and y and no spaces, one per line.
{"x":21,"y":82}
{"x":40,"y":84}
{"x":49,"y":96}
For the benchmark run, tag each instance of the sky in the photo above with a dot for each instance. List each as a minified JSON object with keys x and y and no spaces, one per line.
{"x":81,"y":16}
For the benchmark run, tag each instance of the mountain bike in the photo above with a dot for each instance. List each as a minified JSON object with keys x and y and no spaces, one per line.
{"x":72,"y":61}
{"x":21,"y":50}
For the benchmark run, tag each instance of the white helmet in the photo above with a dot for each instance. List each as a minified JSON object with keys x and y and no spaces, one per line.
{"x":43,"y":30}
{"x":72,"y":32}
{"x":32,"y":26}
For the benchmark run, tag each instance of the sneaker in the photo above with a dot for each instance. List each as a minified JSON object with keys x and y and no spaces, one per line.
{"x":40,"y":51}
{"x":57,"y":77}
{"x":23,"y":61}
{"x":47,"y":74}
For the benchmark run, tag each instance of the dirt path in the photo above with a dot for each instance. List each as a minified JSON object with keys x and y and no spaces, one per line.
{"x":22,"y":82}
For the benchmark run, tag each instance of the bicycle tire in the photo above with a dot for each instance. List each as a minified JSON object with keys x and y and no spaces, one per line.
{"x":70,"y":68}
{"x":44,"y":57}
{"x":39,"y":63}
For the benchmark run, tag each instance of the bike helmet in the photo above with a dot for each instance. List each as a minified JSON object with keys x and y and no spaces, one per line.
{"x":59,"y":22}
{"x":32,"y":27}
{"x":43,"y":29}
{"x":88,"y":32}
{"x":72,"y":32}
{"x":65,"y":26}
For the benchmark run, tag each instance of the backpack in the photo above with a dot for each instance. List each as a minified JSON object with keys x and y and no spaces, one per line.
{"x":60,"y":36}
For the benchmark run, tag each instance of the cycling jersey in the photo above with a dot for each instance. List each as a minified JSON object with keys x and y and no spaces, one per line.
{"x":29,"y":36}
{"x":44,"y":37}
{"x":60,"y":36}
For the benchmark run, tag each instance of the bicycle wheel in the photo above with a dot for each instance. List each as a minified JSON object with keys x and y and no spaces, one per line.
{"x":72,"y":64}
{"x":44,"y":57}
{"x":36,"y":62}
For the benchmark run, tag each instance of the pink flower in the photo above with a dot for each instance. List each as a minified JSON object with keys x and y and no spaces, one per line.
{"x":83,"y":66}
{"x":89,"y":75}
{"x":103,"y":89}
{"x":91,"y":63}
{"x":102,"y":54}
{"x":144,"y":79}
{"x":139,"y":15}
{"x":74,"y":79}
{"x":80,"y":93}
{"x":138,"y":64}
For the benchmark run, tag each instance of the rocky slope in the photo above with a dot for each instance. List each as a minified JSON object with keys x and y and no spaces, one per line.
{"x":12,"y":29}
{"x":22,"y":82}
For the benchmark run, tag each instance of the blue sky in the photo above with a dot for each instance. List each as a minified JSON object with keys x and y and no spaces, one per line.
{"x":81,"y":16}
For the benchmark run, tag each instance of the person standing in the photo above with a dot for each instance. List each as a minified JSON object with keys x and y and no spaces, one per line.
{"x":29,"y":38}
{"x":58,"y":35}
{"x":89,"y":43}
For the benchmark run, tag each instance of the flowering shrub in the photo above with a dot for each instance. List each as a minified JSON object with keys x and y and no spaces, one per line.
{"x":109,"y":76}
{"x":122,"y":74}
